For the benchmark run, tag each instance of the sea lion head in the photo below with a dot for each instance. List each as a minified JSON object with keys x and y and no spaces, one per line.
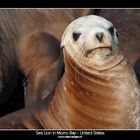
{"x":92,"y":41}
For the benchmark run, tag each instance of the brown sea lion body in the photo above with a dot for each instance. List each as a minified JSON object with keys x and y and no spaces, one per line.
{"x":30,"y":43}
{"x":99,"y":89}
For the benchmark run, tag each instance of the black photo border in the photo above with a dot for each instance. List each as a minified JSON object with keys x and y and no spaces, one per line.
{"x":108,"y":134}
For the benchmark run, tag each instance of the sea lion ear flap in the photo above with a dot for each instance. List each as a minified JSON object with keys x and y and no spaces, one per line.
{"x":62,"y":45}
{"x":63,"y":42}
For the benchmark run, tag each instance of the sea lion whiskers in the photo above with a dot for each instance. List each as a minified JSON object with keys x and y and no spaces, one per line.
{"x":75,"y":73}
{"x":77,"y":52}
{"x":80,"y":58}
{"x":115,"y":43}
{"x":82,"y":55}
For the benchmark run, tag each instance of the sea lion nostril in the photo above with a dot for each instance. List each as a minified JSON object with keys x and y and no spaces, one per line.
{"x":99,"y":36}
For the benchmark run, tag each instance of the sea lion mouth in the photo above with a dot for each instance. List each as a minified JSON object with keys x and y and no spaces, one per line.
{"x":92,"y":52}
{"x":103,"y":58}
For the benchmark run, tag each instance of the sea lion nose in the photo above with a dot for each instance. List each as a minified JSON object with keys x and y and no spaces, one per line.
{"x":99,"y":36}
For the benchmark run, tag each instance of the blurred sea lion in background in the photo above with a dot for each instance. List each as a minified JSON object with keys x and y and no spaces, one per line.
{"x":30,"y":50}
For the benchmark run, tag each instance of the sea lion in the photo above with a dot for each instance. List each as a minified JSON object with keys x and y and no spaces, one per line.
{"x":98,"y":90}
{"x":30,"y":44}
{"x":98,"y":71}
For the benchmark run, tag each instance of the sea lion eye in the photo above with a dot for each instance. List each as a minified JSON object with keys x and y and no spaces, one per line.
{"x":111,"y":30}
{"x":76,"y":36}
{"x":117,"y":34}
